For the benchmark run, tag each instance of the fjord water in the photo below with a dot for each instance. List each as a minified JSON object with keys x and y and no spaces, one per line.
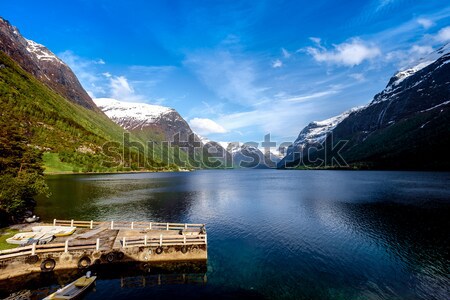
{"x":283,"y":234}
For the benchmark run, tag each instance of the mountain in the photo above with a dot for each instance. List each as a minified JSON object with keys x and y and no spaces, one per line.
{"x":312,"y":136}
{"x":405,"y":126}
{"x":147,"y":120}
{"x":45,"y":66}
{"x":248,"y":156}
{"x":160,"y":124}
{"x":55,"y":114}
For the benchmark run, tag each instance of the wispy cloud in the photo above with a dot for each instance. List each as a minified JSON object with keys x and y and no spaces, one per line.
{"x":425,"y":23}
{"x":350,"y":53}
{"x":86,"y":71}
{"x":123,"y":91}
{"x":206,"y":126}
{"x":277,"y":63}
{"x":444,"y":34}
{"x":229,"y":74}
{"x":285,"y":53}
{"x":307,"y":97}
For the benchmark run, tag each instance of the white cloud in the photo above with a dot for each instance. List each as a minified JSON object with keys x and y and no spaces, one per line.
{"x":426,"y":23}
{"x":358,"y":76}
{"x":404,"y":59}
{"x":122,"y":90}
{"x":286,"y":53}
{"x":316,"y":40}
{"x":444,"y":34}
{"x":107,"y":74}
{"x":421,"y":50}
{"x":350,"y":53}
{"x":206,"y":126}
{"x":100,"y":62}
{"x":277,"y":63}
{"x":303,"y":98}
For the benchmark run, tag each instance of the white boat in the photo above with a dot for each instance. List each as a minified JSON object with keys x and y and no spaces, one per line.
{"x":55,"y":230}
{"x":21,"y":238}
{"x":26,"y":238}
{"x":73,"y":289}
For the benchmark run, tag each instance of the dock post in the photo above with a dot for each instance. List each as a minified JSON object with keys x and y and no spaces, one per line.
{"x":71,"y":223}
{"x":92,"y":224}
{"x":66,"y":246}
{"x":97,"y":245}
{"x":167,"y":226}
{"x":160,"y":239}
{"x":185,"y":226}
{"x":112,"y":224}
{"x":33,"y":249}
{"x":184,"y":239}
{"x":54,"y":222}
{"x":145,"y":240}
{"x":132,"y":225}
{"x":124,"y":242}
{"x":150,"y":226}
{"x":206,"y":240}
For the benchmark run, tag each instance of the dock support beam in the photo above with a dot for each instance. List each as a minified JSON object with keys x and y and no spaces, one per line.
{"x":132,"y":225}
{"x":145,"y":240}
{"x":66,"y":246}
{"x":92,"y":224}
{"x":167,"y":226}
{"x":33,"y":249}
{"x":150,"y":226}
{"x":160,"y":239}
{"x":124,"y":242}
{"x":71,"y":223}
{"x":112,"y":224}
{"x":97,"y":245}
{"x":54,"y":222}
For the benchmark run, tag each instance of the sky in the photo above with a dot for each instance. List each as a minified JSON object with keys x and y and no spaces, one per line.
{"x":237,"y":70}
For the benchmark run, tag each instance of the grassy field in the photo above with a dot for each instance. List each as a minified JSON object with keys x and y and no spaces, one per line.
{"x":6,"y":233}
{"x":53,"y":164}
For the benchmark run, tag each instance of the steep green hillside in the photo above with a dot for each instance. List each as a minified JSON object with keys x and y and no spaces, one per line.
{"x":56,"y":125}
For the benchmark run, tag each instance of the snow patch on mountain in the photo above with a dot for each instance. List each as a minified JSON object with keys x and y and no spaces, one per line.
{"x":41,"y":52}
{"x":317,"y":131}
{"x":131,"y":115}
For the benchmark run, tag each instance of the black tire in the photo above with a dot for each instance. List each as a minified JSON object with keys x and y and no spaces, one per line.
{"x":48,"y":265}
{"x":32,"y":259}
{"x":120,"y":255}
{"x":159,"y":250}
{"x":184,"y":249}
{"x":84,"y":262}
{"x":110,"y":257}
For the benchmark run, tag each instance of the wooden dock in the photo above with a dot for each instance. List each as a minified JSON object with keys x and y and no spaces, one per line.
{"x":105,"y":243}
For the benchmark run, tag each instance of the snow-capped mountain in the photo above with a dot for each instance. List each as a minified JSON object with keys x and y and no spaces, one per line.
{"x":249,"y":156}
{"x":392,"y":126}
{"x":147,"y":120}
{"x":136,"y":116}
{"x":43,"y":65}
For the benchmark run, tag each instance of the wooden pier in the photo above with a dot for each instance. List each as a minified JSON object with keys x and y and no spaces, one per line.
{"x":110,"y":242}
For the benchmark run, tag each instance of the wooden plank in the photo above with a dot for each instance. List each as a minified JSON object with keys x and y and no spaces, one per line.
{"x":18,"y":249}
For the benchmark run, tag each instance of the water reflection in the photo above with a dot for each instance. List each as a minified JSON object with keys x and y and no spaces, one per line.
{"x":286,"y":234}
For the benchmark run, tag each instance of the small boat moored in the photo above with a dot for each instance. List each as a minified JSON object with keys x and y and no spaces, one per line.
{"x":55,"y":230}
{"x":74,"y":289}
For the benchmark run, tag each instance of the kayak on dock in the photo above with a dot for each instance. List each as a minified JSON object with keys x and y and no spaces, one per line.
{"x":74,"y":289}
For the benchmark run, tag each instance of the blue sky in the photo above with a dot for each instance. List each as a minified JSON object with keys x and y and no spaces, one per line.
{"x":237,"y":70}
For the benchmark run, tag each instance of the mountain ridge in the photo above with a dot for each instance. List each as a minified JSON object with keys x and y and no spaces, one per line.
{"x":408,"y":103}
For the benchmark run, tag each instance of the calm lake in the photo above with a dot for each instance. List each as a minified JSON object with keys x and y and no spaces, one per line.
{"x":276,"y":234}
